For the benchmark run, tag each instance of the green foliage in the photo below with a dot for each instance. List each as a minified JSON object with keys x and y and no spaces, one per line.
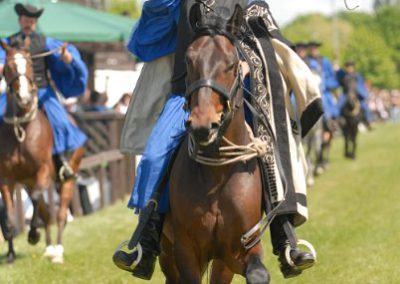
{"x":388,"y":20}
{"x":320,"y":28}
{"x":129,"y":8}
{"x":389,"y":25}
{"x":353,"y":226}
{"x":373,"y":42}
{"x":373,"y":58}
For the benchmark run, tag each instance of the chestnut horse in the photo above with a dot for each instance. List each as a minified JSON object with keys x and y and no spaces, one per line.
{"x":212,"y":207}
{"x":26,"y":146}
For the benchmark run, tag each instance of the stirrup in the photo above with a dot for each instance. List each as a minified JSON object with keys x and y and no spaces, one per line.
{"x":123,"y":246}
{"x":299,"y":242}
{"x":66,"y":168}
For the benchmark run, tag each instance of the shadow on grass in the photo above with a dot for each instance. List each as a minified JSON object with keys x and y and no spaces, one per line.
{"x":18,"y":257}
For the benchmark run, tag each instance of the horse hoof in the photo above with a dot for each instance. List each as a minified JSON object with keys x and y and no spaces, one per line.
{"x":59,"y":259}
{"x":10,"y":258}
{"x":33,"y":237}
{"x":256,"y":273}
{"x":50,"y":251}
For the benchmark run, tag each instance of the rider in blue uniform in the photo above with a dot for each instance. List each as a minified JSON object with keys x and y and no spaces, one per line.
{"x":329,"y":83}
{"x":69,"y":74}
{"x":164,"y":29}
{"x":362,"y":92}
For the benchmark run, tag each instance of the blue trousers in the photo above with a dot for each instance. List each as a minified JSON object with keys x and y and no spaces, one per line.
{"x":67,"y":137}
{"x":165,"y":137}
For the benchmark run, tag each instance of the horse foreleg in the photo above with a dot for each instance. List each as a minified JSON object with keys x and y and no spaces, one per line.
{"x":167,"y":261}
{"x":188,"y":262}
{"x":44,"y":214}
{"x":256,"y":272}
{"x":354,"y":140}
{"x":76,"y":158}
{"x":43,"y":182}
{"x":66,"y":193}
{"x":7,"y":219}
{"x":220,"y":273}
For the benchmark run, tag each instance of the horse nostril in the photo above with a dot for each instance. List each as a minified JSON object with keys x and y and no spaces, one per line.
{"x":201,"y":134}
{"x":215,"y":125}
{"x":188,"y":124}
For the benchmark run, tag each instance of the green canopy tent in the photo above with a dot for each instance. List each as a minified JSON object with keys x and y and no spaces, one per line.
{"x":91,"y":30}
{"x":69,"y":22}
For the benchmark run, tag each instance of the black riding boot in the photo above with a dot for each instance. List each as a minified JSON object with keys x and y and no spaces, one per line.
{"x":150,"y":245}
{"x":63,"y":169}
{"x":283,"y":235}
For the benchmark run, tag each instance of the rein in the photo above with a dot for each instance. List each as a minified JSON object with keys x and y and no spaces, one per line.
{"x":17,"y":121}
{"x":232,"y":153}
{"x":43,"y":54}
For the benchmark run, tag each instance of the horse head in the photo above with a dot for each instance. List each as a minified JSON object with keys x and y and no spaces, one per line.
{"x":18,"y":73}
{"x":214,"y":74}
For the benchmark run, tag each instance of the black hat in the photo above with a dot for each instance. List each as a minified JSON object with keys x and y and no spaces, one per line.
{"x":28,"y":10}
{"x":314,"y":43}
{"x":301,"y":45}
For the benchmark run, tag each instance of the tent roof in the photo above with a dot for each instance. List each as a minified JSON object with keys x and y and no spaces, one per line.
{"x":69,"y":22}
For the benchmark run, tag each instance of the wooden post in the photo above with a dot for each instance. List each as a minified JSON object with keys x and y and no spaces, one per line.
{"x":114,"y":176}
{"x":101,"y":176}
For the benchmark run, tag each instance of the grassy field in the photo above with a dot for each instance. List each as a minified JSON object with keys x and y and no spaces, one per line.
{"x":354,"y":226}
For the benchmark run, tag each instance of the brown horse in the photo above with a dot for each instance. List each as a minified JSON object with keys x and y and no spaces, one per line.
{"x":26,"y":153}
{"x":212,"y":207}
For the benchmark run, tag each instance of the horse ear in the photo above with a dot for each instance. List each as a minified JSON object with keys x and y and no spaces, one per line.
{"x":195,"y":16}
{"x":236,"y":21}
{"x":27,"y":43}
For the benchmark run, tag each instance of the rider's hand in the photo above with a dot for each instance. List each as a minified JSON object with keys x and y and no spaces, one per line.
{"x":66,"y":56}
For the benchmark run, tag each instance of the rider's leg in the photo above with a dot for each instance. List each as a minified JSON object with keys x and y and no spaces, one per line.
{"x":161,"y":145}
{"x":283,"y":235}
{"x":3,"y":103}
{"x":66,"y":136}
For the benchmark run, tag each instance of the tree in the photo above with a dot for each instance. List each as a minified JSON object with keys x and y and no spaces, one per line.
{"x":129,"y":8}
{"x":382,"y":3}
{"x":373,"y":58}
{"x":318,"y":27}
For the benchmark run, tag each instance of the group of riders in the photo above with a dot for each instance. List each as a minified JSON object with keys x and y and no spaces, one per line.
{"x":335,"y":85}
{"x":162,"y":35}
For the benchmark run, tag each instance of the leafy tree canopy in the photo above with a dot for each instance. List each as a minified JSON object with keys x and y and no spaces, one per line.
{"x":129,"y":8}
{"x":372,"y":41}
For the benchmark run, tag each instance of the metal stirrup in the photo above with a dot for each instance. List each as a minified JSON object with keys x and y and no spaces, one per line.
{"x":299,"y":242}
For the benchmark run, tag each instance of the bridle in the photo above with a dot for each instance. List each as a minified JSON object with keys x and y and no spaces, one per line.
{"x":229,"y":96}
{"x":17,"y":120}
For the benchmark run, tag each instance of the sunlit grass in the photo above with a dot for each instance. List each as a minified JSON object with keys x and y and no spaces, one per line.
{"x":353,"y":224}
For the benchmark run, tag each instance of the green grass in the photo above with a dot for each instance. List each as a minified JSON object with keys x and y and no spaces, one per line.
{"x":353,"y":224}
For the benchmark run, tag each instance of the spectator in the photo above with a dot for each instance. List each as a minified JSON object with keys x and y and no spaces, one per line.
{"x":98,"y":102}
{"x":123,"y":103}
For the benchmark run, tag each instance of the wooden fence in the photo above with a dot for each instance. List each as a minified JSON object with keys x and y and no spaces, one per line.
{"x":102,"y":160}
